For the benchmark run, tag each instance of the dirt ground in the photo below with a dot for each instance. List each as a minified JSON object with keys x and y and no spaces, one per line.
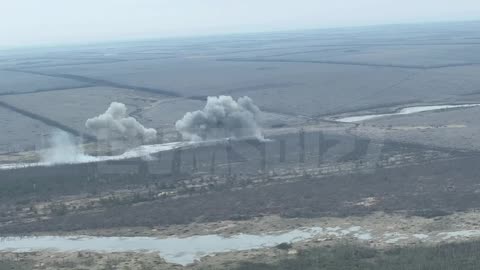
{"x":45,"y":260}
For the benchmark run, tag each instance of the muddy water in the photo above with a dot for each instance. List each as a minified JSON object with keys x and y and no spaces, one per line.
{"x":404,"y":111}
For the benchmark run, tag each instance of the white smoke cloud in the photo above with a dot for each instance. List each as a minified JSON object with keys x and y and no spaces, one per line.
{"x":222,"y":117}
{"x":116,"y":124}
{"x":63,"y":149}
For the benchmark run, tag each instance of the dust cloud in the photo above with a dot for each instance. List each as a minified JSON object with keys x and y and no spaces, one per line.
{"x":222,"y":117}
{"x":115,"y":124}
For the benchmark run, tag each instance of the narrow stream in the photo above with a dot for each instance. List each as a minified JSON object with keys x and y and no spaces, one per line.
{"x":173,"y":249}
{"x":404,"y":111}
{"x":186,"y":250}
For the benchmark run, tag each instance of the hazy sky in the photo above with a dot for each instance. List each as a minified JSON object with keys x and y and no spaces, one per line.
{"x":37,"y":22}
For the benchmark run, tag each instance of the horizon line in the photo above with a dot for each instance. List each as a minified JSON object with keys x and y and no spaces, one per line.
{"x":51,"y":45}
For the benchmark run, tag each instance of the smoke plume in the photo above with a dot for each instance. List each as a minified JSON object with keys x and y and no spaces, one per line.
{"x":63,"y":149}
{"x":222,"y":117}
{"x":116,"y":124}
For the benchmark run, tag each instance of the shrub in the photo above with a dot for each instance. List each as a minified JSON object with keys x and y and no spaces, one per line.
{"x":284,"y":246}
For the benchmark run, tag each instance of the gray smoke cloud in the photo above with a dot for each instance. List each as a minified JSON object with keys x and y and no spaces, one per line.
{"x":222,"y":117}
{"x":116,"y":124}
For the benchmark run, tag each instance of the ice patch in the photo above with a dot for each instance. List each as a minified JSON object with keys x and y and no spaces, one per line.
{"x":393,"y":238}
{"x":459,"y":234}
{"x":421,"y":236}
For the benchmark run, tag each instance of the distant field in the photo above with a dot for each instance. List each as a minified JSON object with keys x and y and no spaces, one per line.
{"x":74,"y":106}
{"x":294,"y":88}
{"x":17,"y":82}
{"x":400,"y":55}
{"x":19,"y":132}
{"x":302,"y":73}
{"x":292,"y":76}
